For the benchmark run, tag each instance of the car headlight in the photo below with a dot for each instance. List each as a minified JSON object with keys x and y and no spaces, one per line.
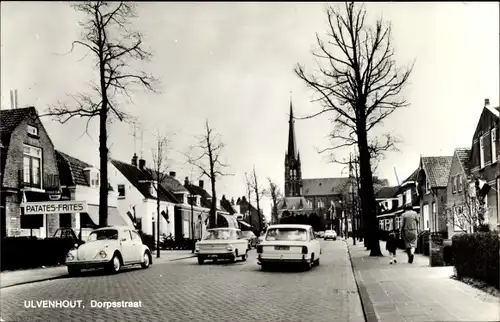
{"x":229,"y":248}
{"x":103,"y":254}
{"x":70,"y":257}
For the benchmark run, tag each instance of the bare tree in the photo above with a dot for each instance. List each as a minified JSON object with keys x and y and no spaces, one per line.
{"x":259,"y":192}
{"x":249,"y":191}
{"x":468,"y":214}
{"x":360,"y":82}
{"x":107,"y":37}
{"x":275,"y":194}
{"x":207,"y":159}
{"x":159,"y":173}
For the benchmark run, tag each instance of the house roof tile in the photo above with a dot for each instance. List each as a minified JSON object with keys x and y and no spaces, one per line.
{"x":387,"y":192}
{"x":437,"y":170}
{"x":71,"y":170}
{"x":170,"y":183}
{"x":324,"y":186}
{"x":136,"y":177}
{"x":205,"y":196}
{"x":10,"y":119}
{"x":412,"y":177}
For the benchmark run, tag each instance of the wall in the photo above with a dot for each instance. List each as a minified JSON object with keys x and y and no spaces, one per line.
{"x":14,"y":163}
{"x":456,"y":198}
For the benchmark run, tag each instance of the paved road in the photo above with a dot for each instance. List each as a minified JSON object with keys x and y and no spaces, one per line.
{"x":186,"y":291}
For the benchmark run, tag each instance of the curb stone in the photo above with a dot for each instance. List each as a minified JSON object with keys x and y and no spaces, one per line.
{"x":66,"y":275}
{"x":366,"y":304}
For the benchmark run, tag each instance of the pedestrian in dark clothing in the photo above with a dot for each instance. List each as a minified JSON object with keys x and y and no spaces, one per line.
{"x":409,"y":231}
{"x":391,"y":246}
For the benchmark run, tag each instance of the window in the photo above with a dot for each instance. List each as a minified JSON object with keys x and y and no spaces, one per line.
{"x":426,"y":216}
{"x":135,"y":236}
{"x":434,"y":217}
{"x":457,"y":218}
{"x":32,"y":130}
{"x":388,"y":224}
{"x":126,"y":235}
{"x":493,"y":145}
{"x":481,"y":152}
{"x":65,"y":220}
{"x":32,"y":161}
{"x":400,"y":199}
{"x":381,"y":224}
{"x":94,"y":180}
{"x":152,"y":189}
{"x":121,"y":190}
{"x":460,"y":183}
{"x":454,"y":180}
{"x":427,"y":185}
{"x":408,"y":197}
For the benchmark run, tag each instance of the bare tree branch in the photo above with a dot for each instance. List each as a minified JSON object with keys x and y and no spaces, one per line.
{"x":205,"y":156}
{"x":114,"y":48}
{"x":357,"y":79}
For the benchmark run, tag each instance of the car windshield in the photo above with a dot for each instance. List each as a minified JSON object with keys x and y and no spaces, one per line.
{"x":220,"y":234}
{"x":103,"y":234}
{"x":247,"y":234}
{"x":330,"y":232}
{"x":289,"y":234}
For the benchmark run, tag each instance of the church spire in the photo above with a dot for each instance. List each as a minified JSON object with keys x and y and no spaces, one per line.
{"x":292,"y":143}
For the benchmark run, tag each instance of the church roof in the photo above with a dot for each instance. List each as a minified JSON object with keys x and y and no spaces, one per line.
{"x":294,"y":203}
{"x":324,"y":186}
{"x":292,"y":141}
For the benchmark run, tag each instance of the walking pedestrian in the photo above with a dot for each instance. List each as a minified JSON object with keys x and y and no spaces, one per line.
{"x":409,"y":231}
{"x":391,"y":246}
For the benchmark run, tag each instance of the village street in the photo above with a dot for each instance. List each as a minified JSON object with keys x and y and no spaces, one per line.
{"x":185,"y":291}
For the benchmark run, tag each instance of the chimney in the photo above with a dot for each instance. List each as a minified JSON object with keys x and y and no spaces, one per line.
{"x":11,"y":99}
{"x":200,"y":184}
{"x":15,"y":99}
{"x":186,"y":181}
{"x":134,"y":160}
{"x":486,"y":102}
{"x":172,"y":174}
{"x":142,"y":163}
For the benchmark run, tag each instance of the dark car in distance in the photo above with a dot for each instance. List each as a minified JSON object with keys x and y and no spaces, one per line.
{"x":250,"y":236}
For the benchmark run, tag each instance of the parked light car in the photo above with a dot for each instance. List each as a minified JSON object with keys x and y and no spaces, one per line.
{"x":222,"y":243}
{"x":330,"y":234}
{"x":289,"y":243}
{"x":250,"y":236}
{"x":111,"y":248}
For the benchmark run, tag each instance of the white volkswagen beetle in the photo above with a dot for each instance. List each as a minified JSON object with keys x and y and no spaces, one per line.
{"x":111,"y":248}
{"x":289,"y":243}
{"x":222,"y":243}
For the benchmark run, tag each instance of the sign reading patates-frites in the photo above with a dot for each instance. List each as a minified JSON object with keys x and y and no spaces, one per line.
{"x":54,"y":207}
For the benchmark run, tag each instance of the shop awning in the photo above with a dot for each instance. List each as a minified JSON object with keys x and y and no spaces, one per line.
{"x":392,"y":214}
{"x":114,"y":216}
{"x":245,"y":223}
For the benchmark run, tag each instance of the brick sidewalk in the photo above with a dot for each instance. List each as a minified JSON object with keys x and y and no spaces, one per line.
{"x":416,"y":292}
{"x":11,"y":278}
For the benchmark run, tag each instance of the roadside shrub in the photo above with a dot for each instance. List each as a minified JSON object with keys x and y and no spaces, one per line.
{"x":423,"y":243}
{"x":148,"y":240}
{"x":477,"y":256}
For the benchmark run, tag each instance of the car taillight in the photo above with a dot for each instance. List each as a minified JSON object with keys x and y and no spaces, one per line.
{"x":304,"y":250}
{"x":259,"y":249}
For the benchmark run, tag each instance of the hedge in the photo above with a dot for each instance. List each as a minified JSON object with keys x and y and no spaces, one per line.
{"x":477,"y":256}
{"x":148,"y":240}
{"x":29,"y":252}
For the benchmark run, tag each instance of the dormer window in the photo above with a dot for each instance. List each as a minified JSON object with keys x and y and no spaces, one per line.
{"x":153,"y":188}
{"x":32,"y":130}
{"x":92,"y":177}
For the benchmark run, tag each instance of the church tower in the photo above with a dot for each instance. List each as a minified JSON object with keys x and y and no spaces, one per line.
{"x":293,"y":173}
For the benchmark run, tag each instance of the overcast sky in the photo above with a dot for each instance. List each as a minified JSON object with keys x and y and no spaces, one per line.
{"x":233,"y":64}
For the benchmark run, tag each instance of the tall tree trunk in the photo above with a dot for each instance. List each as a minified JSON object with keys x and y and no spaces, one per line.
{"x":103,"y":154}
{"x":213,"y":217}
{"x":368,"y":203}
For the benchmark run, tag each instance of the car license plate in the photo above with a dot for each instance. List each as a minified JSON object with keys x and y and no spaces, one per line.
{"x":212,"y":256}
{"x":281,"y":247}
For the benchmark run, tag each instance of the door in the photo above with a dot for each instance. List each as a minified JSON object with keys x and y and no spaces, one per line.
{"x":127,"y":246}
{"x":137,"y":244}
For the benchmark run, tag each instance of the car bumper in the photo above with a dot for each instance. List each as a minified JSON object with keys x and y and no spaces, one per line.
{"x":88,"y":264}
{"x":217,"y":254}
{"x":277,"y":259}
